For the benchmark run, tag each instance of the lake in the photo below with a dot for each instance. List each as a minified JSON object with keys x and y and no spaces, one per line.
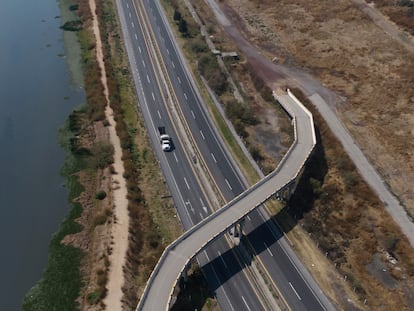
{"x":37,"y":93}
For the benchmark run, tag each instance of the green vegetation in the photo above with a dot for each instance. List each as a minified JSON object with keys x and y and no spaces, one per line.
{"x":74,"y":7}
{"x":103,"y":154}
{"x":100,"y":195}
{"x":194,"y":294}
{"x":72,"y":26}
{"x":94,"y":297}
{"x":61,"y":282}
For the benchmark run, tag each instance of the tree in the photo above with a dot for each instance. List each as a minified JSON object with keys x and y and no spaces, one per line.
{"x":182,"y":27}
{"x":177,"y":15}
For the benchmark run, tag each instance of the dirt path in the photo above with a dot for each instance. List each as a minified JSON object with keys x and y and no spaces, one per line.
{"x":386,"y":25}
{"x":119,"y":230}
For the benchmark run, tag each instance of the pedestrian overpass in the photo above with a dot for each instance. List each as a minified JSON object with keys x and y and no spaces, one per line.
{"x":280,"y":183}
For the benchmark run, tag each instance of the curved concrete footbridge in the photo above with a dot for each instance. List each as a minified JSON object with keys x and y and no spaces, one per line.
{"x":281,"y":183}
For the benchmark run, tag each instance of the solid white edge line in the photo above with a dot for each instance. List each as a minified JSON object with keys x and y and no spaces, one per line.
{"x":245,"y":302}
{"x":294,"y":290}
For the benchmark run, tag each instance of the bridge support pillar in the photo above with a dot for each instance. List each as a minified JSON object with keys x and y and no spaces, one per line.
{"x":184,"y":274}
{"x":238,"y":228}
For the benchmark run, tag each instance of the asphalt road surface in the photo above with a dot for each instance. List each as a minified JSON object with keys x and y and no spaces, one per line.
{"x":190,"y":201}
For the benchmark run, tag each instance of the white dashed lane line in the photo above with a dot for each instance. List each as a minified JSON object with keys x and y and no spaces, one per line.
{"x":186,"y":183}
{"x":214,"y":158}
{"x":268,"y":249}
{"x":228,"y":184}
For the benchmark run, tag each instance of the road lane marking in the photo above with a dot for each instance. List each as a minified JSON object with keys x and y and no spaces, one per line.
{"x":132,"y":23}
{"x":248,"y":218}
{"x":201,"y":215}
{"x":153,"y":98}
{"x":294,"y":290}
{"x":136,"y":37}
{"x":143,"y":63}
{"x":185,"y":95}
{"x":172,"y":63}
{"x":214,"y":158}
{"x":179,"y":80}
{"x":129,"y":14}
{"x":127,"y":5}
{"x":245,"y":302}
{"x":191,"y":207}
{"x":186,"y":182}
{"x":228,"y":184}
{"x":168,"y":51}
{"x":222,"y":259}
{"x":192,"y":112}
{"x":159,"y":114}
{"x":203,"y":206}
{"x":268,"y":249}
{"x":148,"y":79}
{"x":139,"y":48}
{"x":175,"y":156}
{"x":202,"y":135}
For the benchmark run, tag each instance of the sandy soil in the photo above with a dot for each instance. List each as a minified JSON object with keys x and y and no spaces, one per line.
{"x":120,"y":228}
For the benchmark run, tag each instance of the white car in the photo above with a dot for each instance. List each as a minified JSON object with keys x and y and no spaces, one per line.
{"x":165,"y":142}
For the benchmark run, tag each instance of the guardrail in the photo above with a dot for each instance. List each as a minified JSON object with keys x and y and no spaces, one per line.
{"x":168,"y":251}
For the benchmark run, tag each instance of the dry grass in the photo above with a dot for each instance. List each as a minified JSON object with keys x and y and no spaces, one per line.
{"x":344,"y":49}
{"x":350,"y":226}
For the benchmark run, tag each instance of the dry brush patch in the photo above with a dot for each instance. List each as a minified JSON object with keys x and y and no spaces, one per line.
{"x":349,"y":224}
{"x":344,"y":49}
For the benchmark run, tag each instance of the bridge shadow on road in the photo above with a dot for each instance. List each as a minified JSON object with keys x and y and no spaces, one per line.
{"x":223,"y":267}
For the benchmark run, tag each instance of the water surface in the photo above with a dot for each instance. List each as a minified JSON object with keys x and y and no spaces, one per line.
{"x":36,"y":95}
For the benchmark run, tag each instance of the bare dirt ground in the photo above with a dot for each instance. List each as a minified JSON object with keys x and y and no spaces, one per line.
{"x":345,"y":50}
{"x":119,"y":229}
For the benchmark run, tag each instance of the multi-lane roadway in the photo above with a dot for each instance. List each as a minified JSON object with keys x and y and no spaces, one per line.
{"x":233,"y":288}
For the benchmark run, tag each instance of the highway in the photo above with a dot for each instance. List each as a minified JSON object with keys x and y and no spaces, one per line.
{"x":189,"y":199}
{"x":232,"y":293}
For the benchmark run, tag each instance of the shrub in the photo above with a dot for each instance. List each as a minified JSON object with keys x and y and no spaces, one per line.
{"x":154,"y":239}
{"x":100,"y":219}
{"x":316,"y":186}
{"x":94,"y":297}
{"x":182,"y":27}
{"x":100,"y":195}
{"x":177,"y":15}
{"x":103,"y":153}
{"x":74,"y":7}
{"x":198,"y":46}
{"x":256,"y":154}
{"x":72,"y":26}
